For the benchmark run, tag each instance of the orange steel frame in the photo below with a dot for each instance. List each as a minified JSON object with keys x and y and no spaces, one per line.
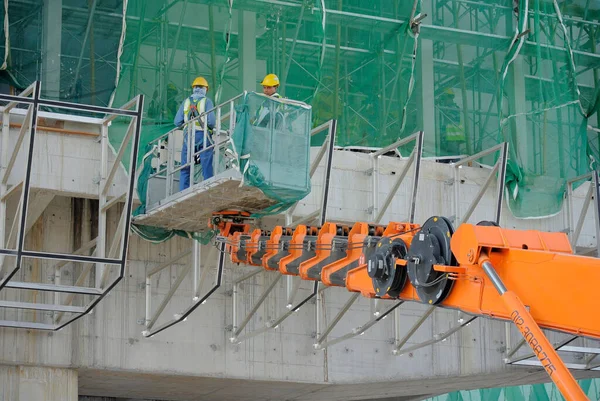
{"x":556,"y":289}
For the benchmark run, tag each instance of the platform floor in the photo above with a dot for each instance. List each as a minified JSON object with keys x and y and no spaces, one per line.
{"x":190,"y":210}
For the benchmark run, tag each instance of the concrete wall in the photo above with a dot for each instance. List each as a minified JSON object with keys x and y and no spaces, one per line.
{"x":24,"y":383}
{"x":195,"y":360}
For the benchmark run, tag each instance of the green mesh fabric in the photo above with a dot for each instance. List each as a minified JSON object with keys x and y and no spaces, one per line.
{"x":82,"y":39}
{"x":535,"y":392}
{"x":471,"y":75}
{"x":272,"y":142}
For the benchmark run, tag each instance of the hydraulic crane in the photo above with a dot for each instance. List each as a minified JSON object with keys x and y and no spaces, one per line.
{"x":531,"y":278}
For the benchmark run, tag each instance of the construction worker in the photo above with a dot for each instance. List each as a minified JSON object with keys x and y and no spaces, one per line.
{"x":193,"y":107}
{"x":155,"y":110}
{"x":451,"y":129}
{"x":270,"y":84}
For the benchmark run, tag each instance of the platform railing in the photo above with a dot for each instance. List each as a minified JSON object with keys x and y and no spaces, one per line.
{"x":215,"y":143}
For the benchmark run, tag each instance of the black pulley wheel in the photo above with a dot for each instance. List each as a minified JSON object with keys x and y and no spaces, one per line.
{"x":388,"y":278}
{"x":429,"y":247}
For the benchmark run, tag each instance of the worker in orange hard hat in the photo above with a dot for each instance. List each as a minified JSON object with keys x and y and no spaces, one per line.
{"x":195,"y":107}
{"x":270,"y":84}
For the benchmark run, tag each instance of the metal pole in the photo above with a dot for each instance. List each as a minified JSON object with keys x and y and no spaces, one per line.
{"x":189,"y":310}
{"x":234,"y":296}
{"x":296,"y":33}
{"x":292,"y":293}
{"x":479,"y":195}
{"x":102,"y":219}
{"x":3,"y":186}
{"x":517,"y":347}
{"x":217,"y":142}
{"x":289,"y":282}
{"x":456,"y":194}
{"x":360,"y":329}
{"x":336,"y":319}
{"x":581,"y":220}
{"x":196,"y":262}
{"x":318,"y":313}
{"x":375,"y":181}
{"x":257,"y":305}
{"x":148,"y":301}
{"x":170,"y":164}
{"x":596,"y":184}
{"x":416,"y":176}
{"x":192,"y":150}
{"x":168,"y":297}
{"x":501,"y":181}
{"x":570,"y":211}
{"x":412,"y":330}
{"x":275,"y":323}
{"x":83,"y":46}
{"x":26,"y":184}
{"x":328,"y":165}
{"x":436,"y":338}
{"x":181,"y":16}
{"x":395,"y":188}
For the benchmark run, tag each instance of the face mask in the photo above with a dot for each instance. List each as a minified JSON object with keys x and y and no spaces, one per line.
{"x":199,"y":92}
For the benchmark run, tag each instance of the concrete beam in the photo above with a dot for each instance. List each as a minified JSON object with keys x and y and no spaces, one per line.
{"x":517,"y":106}
{"x":247,"y":50}
{"x":426,"y":95}
{"x":21,"y":383}
{"x":51,"y":47}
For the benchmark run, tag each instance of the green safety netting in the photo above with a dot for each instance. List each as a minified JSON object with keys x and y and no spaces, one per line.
{"x":471,"y":74}
{"x":535,"y":392}
{"x":70,"y":45}
{"x":272,"y":143}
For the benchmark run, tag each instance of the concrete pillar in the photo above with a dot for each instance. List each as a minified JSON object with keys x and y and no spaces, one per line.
{"x":23,"y":383}
{"x":247,"y":50}
{"x":426,"y":95}
{"x":522,"y":142}
{"x":51,"y":46}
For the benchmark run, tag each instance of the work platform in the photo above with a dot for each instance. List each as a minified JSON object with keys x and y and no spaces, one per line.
{"x":190,"y":209}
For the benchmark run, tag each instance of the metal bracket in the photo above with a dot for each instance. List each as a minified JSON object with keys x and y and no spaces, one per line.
{"x":499,"y":167}
{"x":102,"y":260}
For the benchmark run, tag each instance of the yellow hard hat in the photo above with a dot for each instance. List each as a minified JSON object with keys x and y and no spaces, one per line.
{"x":270,"y":80}
{"x":200,"y":81}
{"x":449,"y":91}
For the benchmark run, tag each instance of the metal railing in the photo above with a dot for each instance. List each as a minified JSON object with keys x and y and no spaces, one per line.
{"x":95,"y":255}
{"x":221,"y":138}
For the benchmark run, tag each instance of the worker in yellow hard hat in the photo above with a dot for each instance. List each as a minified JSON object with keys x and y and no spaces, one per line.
{"x":270,"y":84}
{"x":452,"y":132}
{"x":194,"y":107}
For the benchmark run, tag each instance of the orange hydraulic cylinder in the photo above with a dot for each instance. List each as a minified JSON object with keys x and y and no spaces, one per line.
{"x":542,"y":348}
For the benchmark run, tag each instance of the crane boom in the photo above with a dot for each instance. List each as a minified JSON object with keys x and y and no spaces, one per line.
{"x":531,"y":278}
